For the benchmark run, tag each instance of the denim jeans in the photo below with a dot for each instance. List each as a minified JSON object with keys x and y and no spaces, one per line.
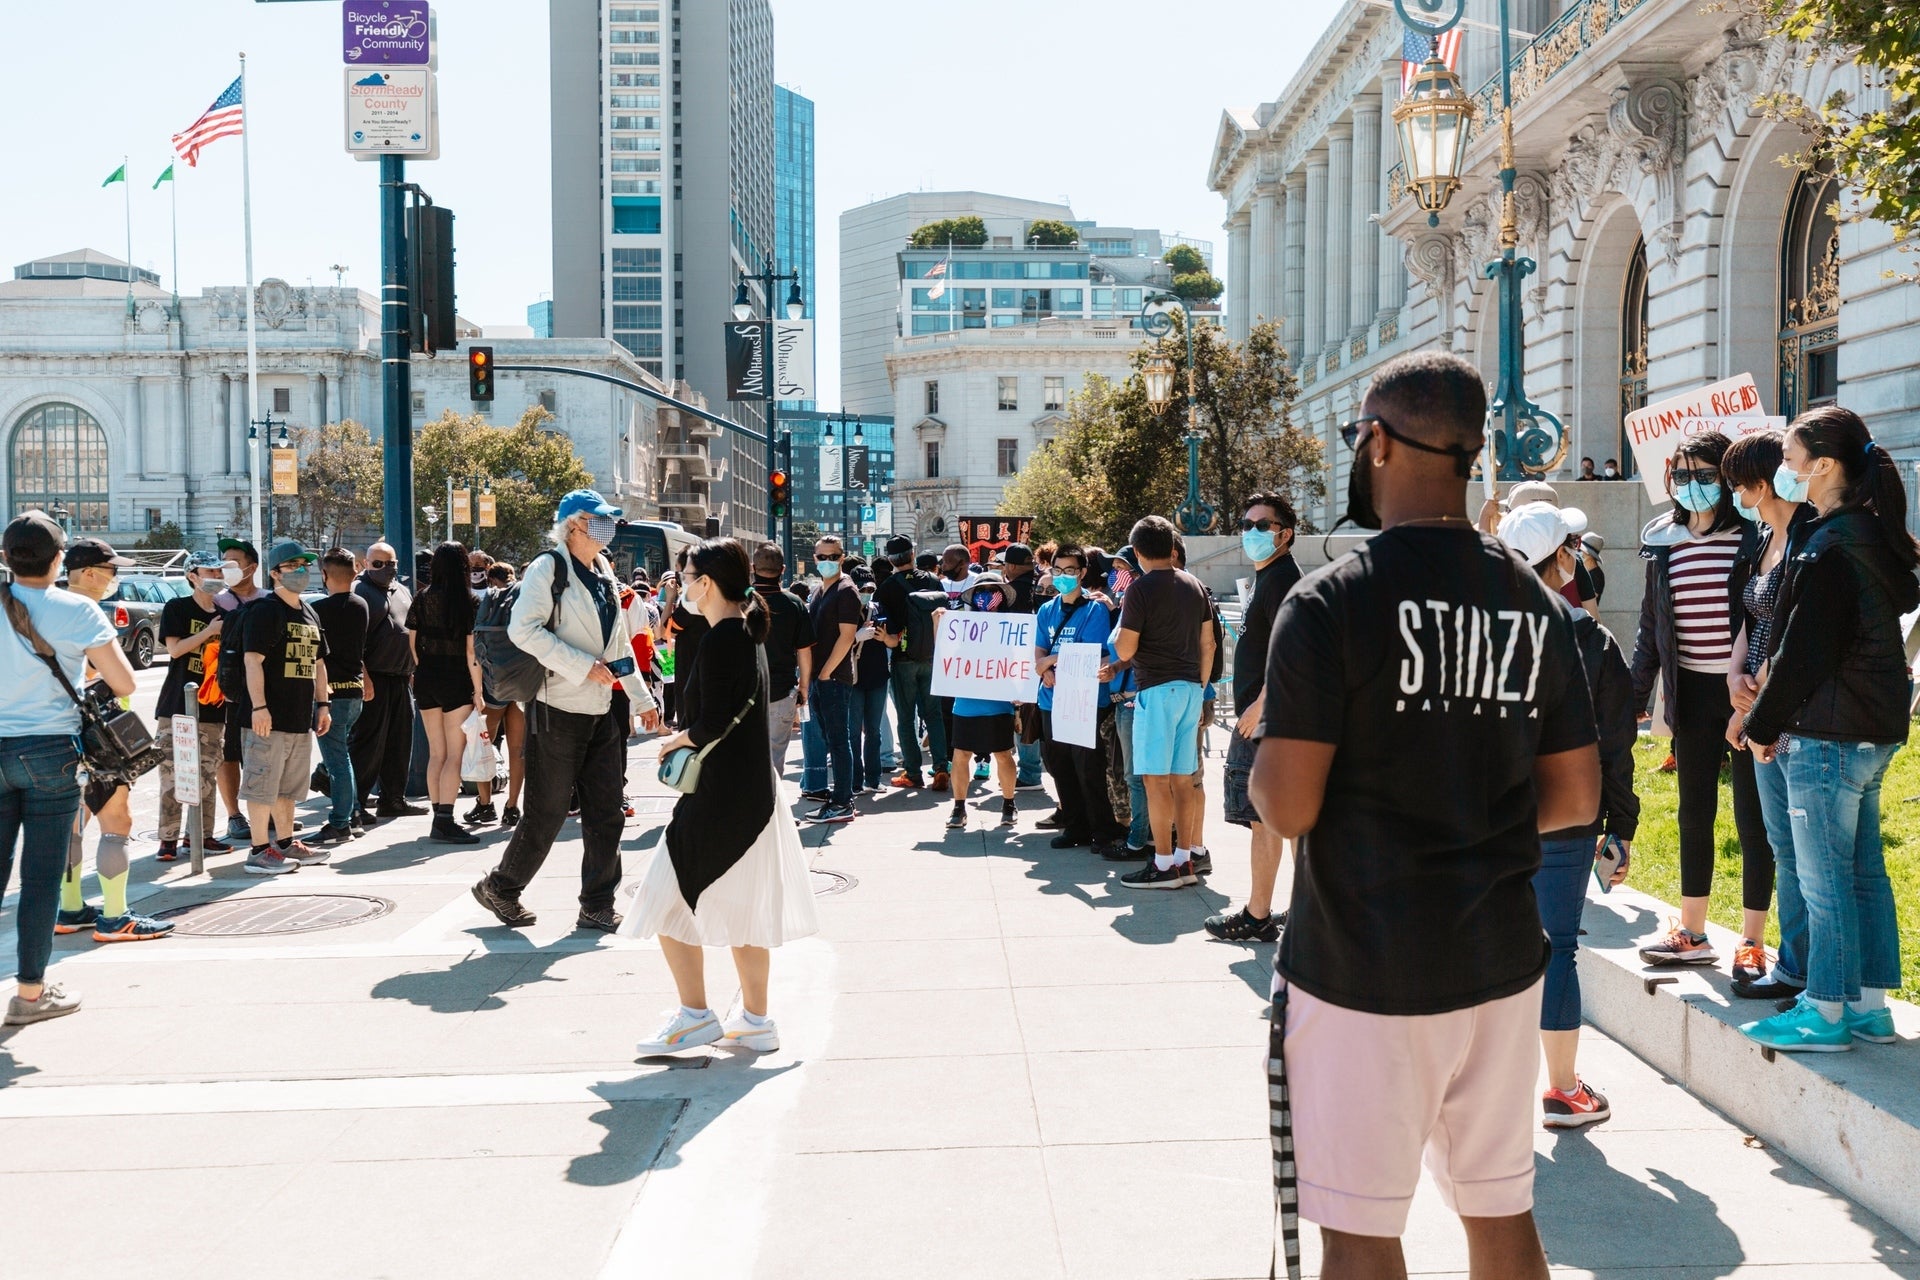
{"x":1031,"y":766}
{"x":39,"y":794}
{"x":833,"y":712}
{"x":1770,"y":780}
{"x":869,"y":713}
{"x":569,"y":754}
{"x":813,"y":753}
{"x":1833,"y":794}
{"x":913,"y":695}
{"x":1139,"y":829}
{"x":1560,"y":889}
{"x":339,"y":760}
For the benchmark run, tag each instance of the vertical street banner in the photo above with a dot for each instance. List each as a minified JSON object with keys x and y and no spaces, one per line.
{"x":985,"y":536}
{"x":463,"y":506}
{"x":486,"y":511}
{"x":1076,"y":693}
{"x":985,"y":655}
{"x":856,"y":466}
{"x":286,"y":473}
{"x":793,"y":360}
{"x":749,"y":370}
{"x":832,"y":474}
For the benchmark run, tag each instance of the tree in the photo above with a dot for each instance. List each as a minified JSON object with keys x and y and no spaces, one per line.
{"x":968,"y":233}
{"x":167,"y":536}
{"x":529,"y":465}
{"x":1873,"y":141}
{"x":1116,"y":460}
{"x":340,"y":486}
{"x":1051,"y":233}
{"x":1191,"y":279}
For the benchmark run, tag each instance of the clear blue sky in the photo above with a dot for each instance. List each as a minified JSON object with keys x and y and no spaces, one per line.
{"x":1111,"y":103}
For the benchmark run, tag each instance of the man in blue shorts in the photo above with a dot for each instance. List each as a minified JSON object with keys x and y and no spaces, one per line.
{"x":1166,"y":635}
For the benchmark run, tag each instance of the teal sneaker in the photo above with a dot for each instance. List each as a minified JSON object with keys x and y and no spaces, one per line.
{"x":1801,"y":1029}
{"x":1874,"y":1026}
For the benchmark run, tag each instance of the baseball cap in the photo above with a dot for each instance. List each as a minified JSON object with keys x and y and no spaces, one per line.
{"x":585,"y":501}
{"x":899,"y":549}
{"x":1536,"y":530}
{"x":1531,"y":491}
{"x":87,"y":553}
{"x":238,"y":544}
{"x":1018,"y":553}
{"x":287,"y":550}
{"x":33,"y":536}
{"x":203,"y":560}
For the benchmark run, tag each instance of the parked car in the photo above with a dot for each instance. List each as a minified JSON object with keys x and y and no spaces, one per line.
{"x":134,"y":608}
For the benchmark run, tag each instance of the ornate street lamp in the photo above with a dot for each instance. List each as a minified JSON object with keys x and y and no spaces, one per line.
{"x":1434,"y":121}
{"x":1158,"y":375}
{"x":1195,"y":515}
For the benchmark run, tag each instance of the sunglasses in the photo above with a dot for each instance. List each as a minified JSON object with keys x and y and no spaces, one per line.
{"x":1248,"y":526}
{"x":382,"y":564}
{"x":822,"y":555}
{"x":1704,"y":475}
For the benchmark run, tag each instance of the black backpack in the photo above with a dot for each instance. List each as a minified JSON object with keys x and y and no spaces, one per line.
{"x":924,"y":599}
{"x":231,"y":670}
{"x":508,"y":672}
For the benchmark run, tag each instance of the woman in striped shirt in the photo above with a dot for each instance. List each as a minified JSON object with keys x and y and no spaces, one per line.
{"x":1685,"y":641}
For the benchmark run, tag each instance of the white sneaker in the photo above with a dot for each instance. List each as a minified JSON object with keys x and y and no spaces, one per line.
{"x":682,"y":1030}
{"x":762,"y":1037}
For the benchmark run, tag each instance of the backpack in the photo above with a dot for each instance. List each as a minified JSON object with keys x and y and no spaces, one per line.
{"x":230,"y":668}
{"x":509,"y":673}
{"x":1219,"y":641}
{"x":923,"y":601}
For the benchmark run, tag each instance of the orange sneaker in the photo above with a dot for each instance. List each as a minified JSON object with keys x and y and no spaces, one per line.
{"x":906,"y":781}
{"x":1749,"y":961}
{"x":1573,"y":1110}
{"x":942,"y":780}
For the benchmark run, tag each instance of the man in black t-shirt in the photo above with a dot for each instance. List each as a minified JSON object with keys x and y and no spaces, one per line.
{"x":187,"y":624}
{"x":287,"y":691}
{"x":837,"y":616}
{"x":343,"y":621}
{"x":382,"y":738}
{"x":789,"y":650}
{"x":1425,"y":718}
{"x":914,"y":705}
{"x":1266,"y":535}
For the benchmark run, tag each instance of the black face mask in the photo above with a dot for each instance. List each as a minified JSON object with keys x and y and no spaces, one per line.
{"x":1360,"y":510}
{"x":379,"y":577}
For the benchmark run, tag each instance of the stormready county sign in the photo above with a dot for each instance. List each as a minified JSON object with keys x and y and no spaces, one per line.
{"x":390,"y":112}
{"x":385,"y":34}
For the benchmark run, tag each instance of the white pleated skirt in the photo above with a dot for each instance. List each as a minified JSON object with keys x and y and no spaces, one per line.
{"x":763,"y":900}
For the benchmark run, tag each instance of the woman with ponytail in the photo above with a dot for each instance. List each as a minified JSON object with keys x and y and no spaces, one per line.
{"x":731,"y":871}
{"x":1833,"y":707}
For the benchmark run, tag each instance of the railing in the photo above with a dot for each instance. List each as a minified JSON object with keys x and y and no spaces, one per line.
{"x":1396,"y":183}
{"x":1583,"y":24}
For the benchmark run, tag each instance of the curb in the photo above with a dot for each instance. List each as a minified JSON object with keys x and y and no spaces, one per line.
{"x":1853,"y":1118}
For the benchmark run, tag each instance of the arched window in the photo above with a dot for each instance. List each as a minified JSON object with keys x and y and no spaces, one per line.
{"x":1810,"y":295}
{"x":59,"y":460}
{"x":1633,"y":349}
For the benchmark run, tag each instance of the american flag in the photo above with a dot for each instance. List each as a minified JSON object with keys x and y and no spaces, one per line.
{"x":224,"y":119}
{"x":938,"y":272}
{"x":1416,"y":48}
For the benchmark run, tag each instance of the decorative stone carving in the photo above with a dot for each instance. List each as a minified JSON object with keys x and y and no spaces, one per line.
{"x":1648,"y":119}
{"x":1431,"y":259}
{"x":277,"y":303}
{"x":1749,"y":67}
{"x":151,"y":318}
{"x":1533,"y":211}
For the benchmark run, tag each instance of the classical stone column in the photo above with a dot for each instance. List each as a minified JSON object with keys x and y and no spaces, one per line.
{"x":1314,"y":332}
{"x":237,"y":425}
{"x":1239,"y":300}
{"x":1266,"y":250}
{"x":135,"y":459}
{"x":1363,"y":281}
{"x":178,"y":423}
{"x":1393,"y":272}
{"x":1339,"y":241}
{"x":1293,"y":291}
{"x":316,"y":401}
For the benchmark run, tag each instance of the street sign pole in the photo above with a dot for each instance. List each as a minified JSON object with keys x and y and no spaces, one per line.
{"x":396,"y":368}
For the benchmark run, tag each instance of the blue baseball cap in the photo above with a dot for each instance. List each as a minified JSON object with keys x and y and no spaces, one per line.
{"x":585,"y":502}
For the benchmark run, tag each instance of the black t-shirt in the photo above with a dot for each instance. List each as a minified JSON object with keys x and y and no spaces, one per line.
{"x":441,"y":624}
{"x":343,"y":620}
{"x":179,"y":619}
{"x":291,"y":641}
{"x":835,"y":603}
{"x":1270,"y":587}
{"x":1439,"y":666}
{"x":789,"y":630}
{"x":387,"y":652}
{"x":689,"y":629}
{"x":1167,"y":608}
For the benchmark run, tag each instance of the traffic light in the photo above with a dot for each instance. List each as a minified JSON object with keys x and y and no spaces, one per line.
{"x":480,"y":374}
{"x":430,"y":277}
{"x":779,"y":493}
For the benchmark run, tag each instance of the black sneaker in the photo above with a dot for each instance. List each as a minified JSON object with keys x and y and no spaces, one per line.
{"x":817,"y":797}
{"x":1769,"y":988}
{"x":1121,"y":851}
{"x":362,"y":820}
{"x":1238,"y":926}
{"x":507,"y":911}
{"x":214,"y":844}
{"x":1202,"y":862}
{"x":331,"y":834}
{"x":1053,"y":822}
{"x":447,"y":831}
{"x":510,"y":816}
{"x":401,"y":810}
{"x":1009,"y":813}
{"x":957,"y":820}
{"x":168,"y":851}
{"x":480,"y":815}
{"x":606,"y":920}
{"x":1068,"y":840}
{"x":831,"y":812}
{"x":1177,"y":876}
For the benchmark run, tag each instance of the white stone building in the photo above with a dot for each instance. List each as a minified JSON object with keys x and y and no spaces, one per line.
{"x":1674,"y":246}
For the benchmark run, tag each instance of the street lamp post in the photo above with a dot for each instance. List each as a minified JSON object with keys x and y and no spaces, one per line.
{"x":1195,"y":514}
{"x":767,"y":278}
{"x":847,"y":486}
{"x":1434,"y":120}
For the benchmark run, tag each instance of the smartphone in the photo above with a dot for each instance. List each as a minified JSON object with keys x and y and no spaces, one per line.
{"x":621,"y":667}
{"x":1607,"y":861}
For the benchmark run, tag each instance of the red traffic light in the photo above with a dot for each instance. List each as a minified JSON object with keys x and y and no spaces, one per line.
{"x":478,"y":355}
{"x":480,"y":374}
{"x":778,"y":479}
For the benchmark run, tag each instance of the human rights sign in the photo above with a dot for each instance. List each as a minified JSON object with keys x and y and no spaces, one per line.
{"x":1730,"y":406}
{"x":985,"y":655}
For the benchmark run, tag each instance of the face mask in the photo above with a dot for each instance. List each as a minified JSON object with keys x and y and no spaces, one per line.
{"x":479,"y":580}
{"x":600,"y":529}
{"x":231,"y":573}
{"x":1259,"y":544}
{"x":1612,"y":472}
{"x":1740,"y":505}
{"x":866,"y":597}
{"x":1360,"y":510}
{"x":380,"y":576}
{"x":1695,"y":496}
{"x":827,"y":569}
{"x":1066,"y":583}
{"x":295,"y":579}
{"x":1790,"y":485}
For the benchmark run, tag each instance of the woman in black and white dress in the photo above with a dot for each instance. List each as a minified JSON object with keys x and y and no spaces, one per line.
{"x":731,"y":871}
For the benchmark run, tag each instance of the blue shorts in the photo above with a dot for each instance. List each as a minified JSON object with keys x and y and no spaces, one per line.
{"x":1166,"y":729}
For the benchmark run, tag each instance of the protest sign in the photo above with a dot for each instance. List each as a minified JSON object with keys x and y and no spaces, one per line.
{"x":1076,"y":693}
{"x":985,"y":655}
{"x":1656,"y":431}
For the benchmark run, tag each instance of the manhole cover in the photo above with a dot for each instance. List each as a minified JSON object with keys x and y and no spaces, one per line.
{"x":281,"y":913}
{"x":828,"y":882}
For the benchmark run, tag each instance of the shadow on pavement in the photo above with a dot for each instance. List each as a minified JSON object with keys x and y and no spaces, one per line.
{"x":475,"y":984}
{"x":627,"y":1123}
{"x":12,"y":1070}
{"x":1616,"y":1221}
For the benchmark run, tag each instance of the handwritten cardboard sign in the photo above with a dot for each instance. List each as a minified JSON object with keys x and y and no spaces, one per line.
{"x":1076,"y":693}
{"x":1656,"y":431}
{"x":985,"y":655}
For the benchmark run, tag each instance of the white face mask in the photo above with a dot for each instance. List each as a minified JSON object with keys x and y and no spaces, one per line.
{"x":231,"y":573}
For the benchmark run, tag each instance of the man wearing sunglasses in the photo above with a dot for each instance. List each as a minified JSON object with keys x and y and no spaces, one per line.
{"x":1426,"y":717}
{"x":382,"y":740}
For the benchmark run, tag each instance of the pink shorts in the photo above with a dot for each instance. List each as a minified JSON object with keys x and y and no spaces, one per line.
{"x":1372,"y":1092}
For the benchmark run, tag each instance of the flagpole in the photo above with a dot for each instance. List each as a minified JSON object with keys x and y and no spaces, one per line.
{"x":253,"y":352}
{"x":126,"y":191}
{"x":173,"y":198}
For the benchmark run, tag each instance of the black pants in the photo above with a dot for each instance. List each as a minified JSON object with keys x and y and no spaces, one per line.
{"x":569,"y":754}
{"x":1700,"y":714}
{"x":381,"y":743}
{"x":1080,"y":774}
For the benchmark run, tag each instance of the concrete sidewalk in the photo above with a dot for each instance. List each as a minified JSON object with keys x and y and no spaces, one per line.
{"x":997,"y":1062}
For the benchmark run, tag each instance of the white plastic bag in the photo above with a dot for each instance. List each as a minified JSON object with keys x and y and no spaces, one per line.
{"x":479,"y":762}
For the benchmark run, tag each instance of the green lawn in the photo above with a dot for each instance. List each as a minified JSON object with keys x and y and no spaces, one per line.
{"x":1656,"y":853}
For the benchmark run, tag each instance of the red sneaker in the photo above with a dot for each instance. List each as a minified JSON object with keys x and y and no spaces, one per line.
{"x":1573,"y":1110}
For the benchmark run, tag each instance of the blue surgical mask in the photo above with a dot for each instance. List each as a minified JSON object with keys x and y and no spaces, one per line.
{"x":1695,"y":496}
{"x":1259,"y":544}
{"x":1746,"y":512}
{"x":827,"y":569}
{"x":295,"y":580}
{"x":1066,"y":583}
{"x":1790,"y":484}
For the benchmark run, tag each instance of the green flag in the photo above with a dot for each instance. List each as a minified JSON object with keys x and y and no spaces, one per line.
{"x":118,"y":175}
{"x":167,"y":176}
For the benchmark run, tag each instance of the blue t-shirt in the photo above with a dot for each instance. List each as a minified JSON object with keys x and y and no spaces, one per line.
{"x":1087,"y":622}
{"x":35,"y":702}
{"x":981,"y":707}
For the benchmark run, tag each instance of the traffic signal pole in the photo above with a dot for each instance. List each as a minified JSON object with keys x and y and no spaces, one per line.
{"x":396,"y":365}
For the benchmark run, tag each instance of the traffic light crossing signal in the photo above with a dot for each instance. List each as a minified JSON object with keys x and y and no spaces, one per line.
{"x":480,"y":374}
{"x":779,"y":493}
